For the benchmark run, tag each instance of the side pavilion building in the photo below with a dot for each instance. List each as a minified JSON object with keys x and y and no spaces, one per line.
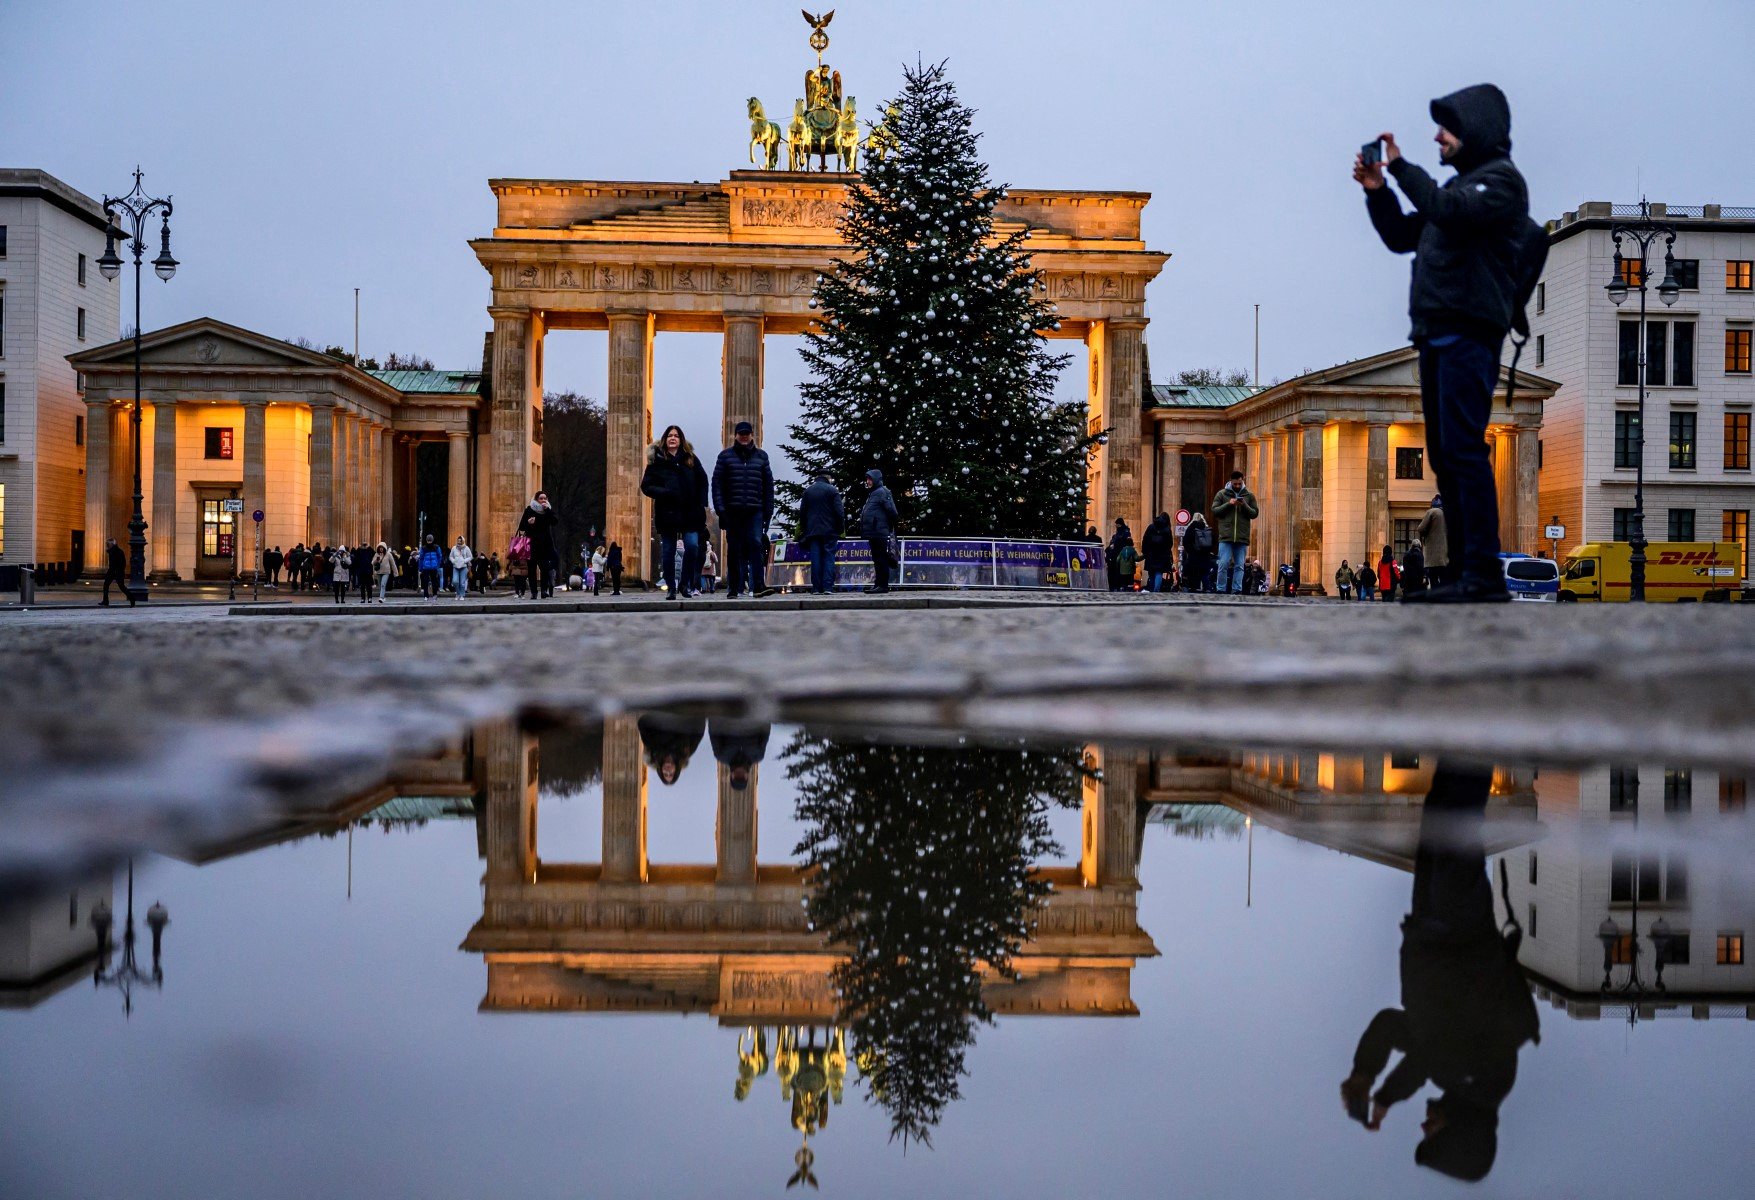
{"x":1336,"y":458}
{"x":327,"y":452}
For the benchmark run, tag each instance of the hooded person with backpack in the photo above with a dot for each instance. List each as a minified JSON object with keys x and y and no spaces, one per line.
{"x":877,"y":521}
{"x":1477,"y":256}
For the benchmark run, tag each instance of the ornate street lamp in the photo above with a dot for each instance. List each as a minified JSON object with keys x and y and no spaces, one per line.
{"x":135,"y":208}
{"x":1642,"y":232}
{"x":127,"y":974}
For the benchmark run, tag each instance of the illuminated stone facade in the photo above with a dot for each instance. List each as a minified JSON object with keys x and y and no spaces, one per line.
{"x":740,"y":257}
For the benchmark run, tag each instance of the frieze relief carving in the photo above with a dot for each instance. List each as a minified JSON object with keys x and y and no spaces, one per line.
{"x":685,"y":279}
{"x":526,"y":277}
{"x":762,"y":280}
{"x":785,"y":988}
{"x":725,"y":282}
{"x":567,"y":278}
{"x":648,"y":279}
{"x":810,"y":214}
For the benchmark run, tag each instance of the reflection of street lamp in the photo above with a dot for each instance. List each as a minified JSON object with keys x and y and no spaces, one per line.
{"x":127,"y":974}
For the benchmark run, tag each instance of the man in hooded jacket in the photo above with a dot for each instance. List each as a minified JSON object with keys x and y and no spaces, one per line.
{"x":877,"y":521}
{"x":1469,"y":239}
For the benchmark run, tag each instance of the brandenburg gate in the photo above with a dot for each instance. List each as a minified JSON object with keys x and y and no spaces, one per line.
{"x":741,"y":258}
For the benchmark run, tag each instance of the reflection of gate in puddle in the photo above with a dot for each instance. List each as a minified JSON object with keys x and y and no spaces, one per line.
{"x":731,"y":938}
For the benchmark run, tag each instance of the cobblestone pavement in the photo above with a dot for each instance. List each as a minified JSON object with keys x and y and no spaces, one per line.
{"x":192,"y":715}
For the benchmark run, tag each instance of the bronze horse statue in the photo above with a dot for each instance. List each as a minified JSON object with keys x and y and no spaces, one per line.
{"x":764,"y":134}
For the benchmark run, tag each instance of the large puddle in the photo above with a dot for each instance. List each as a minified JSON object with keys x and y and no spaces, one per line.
{"x":690,"y":956}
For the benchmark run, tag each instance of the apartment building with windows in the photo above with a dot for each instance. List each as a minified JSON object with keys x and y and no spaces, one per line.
{"x":1700,"y":392}
{"x":53,"y":302}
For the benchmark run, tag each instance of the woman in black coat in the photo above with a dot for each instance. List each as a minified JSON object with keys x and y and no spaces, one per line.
{"x":538,"y":524}
{"x":677,"y":484}
{"x":1158,"y":552}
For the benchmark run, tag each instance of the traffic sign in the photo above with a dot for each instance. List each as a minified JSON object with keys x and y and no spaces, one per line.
{"x":231,"y":505}
{"x":1183,"y":516}
{"x":256,"y":516}
{"x":1554,"y":533}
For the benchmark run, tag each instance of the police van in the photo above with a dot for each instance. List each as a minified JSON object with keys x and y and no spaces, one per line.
{"x":1530,"y":578}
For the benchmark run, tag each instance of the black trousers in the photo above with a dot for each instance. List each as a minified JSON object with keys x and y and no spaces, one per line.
{"x":880,"y":561}
{"x":1457,"y":378}
{"x":120,"y":579}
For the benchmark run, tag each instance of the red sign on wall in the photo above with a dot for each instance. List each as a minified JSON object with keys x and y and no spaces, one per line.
{"x":225,"y":546}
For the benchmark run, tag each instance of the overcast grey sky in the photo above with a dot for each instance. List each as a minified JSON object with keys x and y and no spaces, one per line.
{"x":319,"y":146}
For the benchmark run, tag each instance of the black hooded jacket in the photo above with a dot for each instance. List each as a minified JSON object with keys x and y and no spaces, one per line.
{"x":877,"y":520}
{"x":1468,"y":236}
{"x":1158,"y":544}
{"x":678,"y":486}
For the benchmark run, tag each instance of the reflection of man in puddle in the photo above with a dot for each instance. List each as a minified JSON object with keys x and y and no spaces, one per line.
{"x":740,"y":745}
{"x":1465,"y":1006}
{"x":670,"y":740}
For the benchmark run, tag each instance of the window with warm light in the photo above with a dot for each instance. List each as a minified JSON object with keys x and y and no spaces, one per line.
{"x":1730,"y":949}
{"x":1739,"y":275}
{"x":1737,"y":349}
{"x":1631,"y":275}
{"x":1736,"y":441}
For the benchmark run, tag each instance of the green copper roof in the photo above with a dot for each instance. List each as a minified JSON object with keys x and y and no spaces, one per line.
{"x":448,"y":383}
{"x":1182,"y":395}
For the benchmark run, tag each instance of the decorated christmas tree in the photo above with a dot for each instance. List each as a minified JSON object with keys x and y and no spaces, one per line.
{"x":922,"y":863}
{"x":928,"y":360}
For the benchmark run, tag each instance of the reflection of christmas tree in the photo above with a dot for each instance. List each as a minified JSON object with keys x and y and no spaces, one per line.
{"x":923,"y":858}
{"x":928,"y":359}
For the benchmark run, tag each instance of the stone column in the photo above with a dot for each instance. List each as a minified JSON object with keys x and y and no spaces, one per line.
{"x":457,"y":486}
{"x":624,"y":802}
{"x":255,"y":494}
{"x":1311,"y":576}
{"x":741,"y":370}
{"x":1290,"y":502}
{"x":1376,"y":489}
{"x":322,"y":472}
{"x":164,"y":491}
{"x":515,"y":389}
{"x":368,"y":501}
{"x":510,"y":827}
{"x":627,"y":512}
{"x":1169,"y":476}
{"x":1310,"y":549}
{"x":121,"y":472}
{"x":1111,"y":851}
{"x":385,"y":457}
{"x":353,"y":493}
{"x":1122,"y":467}
{"x":735,"y":836}
{"x":1261,"y":482}
{"x":1504,"y":444}
{"x":97,"y":484}
{"x":1528,"y":477}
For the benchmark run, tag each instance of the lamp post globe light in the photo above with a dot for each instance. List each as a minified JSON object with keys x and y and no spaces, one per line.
{"x":127,"y":217}
{"x":1642,"y":232}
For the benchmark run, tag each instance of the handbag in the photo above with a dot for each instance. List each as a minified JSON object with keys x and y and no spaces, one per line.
{"x":520,"y":547}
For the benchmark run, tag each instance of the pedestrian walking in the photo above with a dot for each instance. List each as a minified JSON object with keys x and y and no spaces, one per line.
{"x":1344,"y":580}
{"x":462,"y":558}
{"x":1413,"y":573}
{"x":518,"y":571}
{"x":272,"y":561}
{"x":1158,"y":553}
{"x":537,"y":524}
{"x":709,"y":568}
{"x":1198,"y":545}
{"x":743,"y":497}
{"x":613,"y":564}
{"x":1233,"y":509}
{"x":677,"y":484}
{"x":359,"y":570}
{"x":1435,"y":543}
{"x":1364,"y":579}
{"x":877,"y":521}
{"x":432,"y":561}
{"x":821,"y":518}
{"x":1122,"y":536}
{"x":599,"y":568}
{"x":116,"y":572}
{"x":383,"y":568}
{"x":339,"y":560}
{"x":1476,"y":258}
{"x":1386,"y":574}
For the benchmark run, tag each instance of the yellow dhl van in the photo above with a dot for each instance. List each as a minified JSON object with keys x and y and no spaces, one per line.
{"x":1673,"y":571}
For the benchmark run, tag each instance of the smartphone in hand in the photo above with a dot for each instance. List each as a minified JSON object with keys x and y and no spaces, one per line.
{"x":1371,"y":153}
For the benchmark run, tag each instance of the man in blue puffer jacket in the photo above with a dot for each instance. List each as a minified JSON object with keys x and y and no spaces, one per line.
{"x":743,"y":496}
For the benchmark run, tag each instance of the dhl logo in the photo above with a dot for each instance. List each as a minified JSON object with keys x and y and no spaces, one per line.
{"x":1686,"y":558}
